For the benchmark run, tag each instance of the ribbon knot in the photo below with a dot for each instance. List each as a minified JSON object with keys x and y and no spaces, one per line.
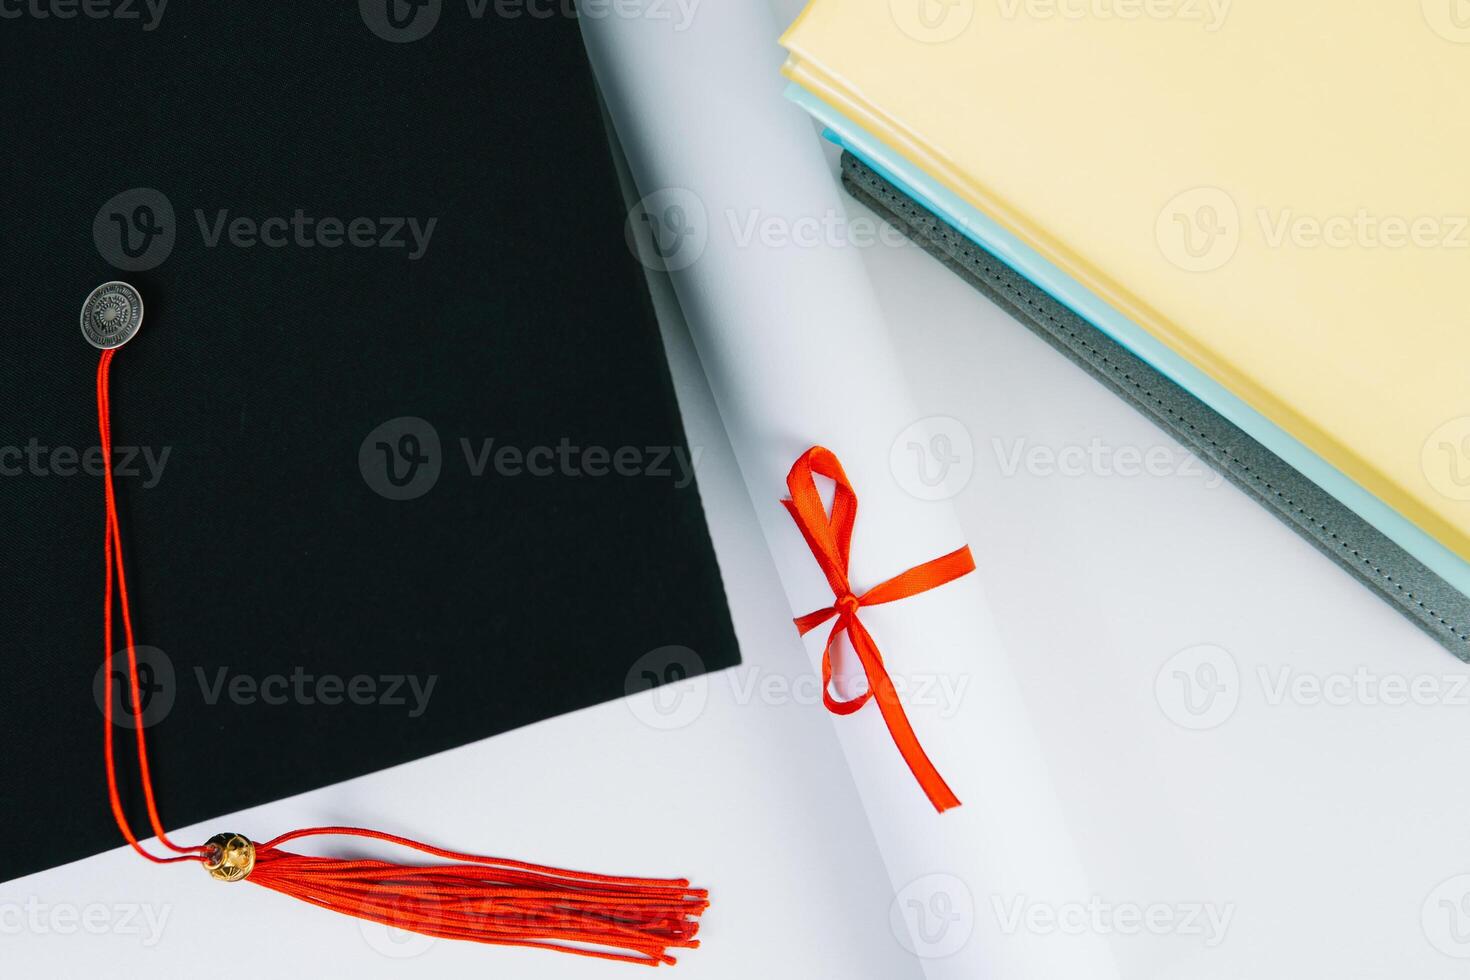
{"x":829,"y":536}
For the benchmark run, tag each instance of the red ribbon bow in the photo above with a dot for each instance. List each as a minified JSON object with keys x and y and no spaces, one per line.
{"x":830,"y":539}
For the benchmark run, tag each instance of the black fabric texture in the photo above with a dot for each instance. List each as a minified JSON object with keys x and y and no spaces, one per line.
{"x":550,"y":546}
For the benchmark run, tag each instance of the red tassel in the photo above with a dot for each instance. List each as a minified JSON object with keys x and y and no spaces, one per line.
{"x":479,"y":899}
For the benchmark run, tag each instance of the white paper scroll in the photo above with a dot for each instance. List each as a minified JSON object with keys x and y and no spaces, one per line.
{"x":786,"y":324}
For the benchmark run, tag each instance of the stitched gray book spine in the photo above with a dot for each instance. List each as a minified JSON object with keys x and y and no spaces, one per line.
{"x":1427,"y":600}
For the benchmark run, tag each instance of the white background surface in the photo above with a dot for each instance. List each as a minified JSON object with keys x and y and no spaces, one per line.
{"x":1324,"y":830}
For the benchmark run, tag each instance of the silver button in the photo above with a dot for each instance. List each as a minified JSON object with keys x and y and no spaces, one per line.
{"x":112,"y":315}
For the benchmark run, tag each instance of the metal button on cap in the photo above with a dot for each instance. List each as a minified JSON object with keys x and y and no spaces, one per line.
{"x":112,"y":315}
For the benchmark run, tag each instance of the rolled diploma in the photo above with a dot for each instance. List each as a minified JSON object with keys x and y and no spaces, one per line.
{"x":797,"y":354}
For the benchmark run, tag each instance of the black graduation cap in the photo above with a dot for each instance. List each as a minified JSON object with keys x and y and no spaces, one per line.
{"x":399,"y":460}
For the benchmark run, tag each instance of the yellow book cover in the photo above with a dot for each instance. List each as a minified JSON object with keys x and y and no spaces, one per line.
{"x":1278,"y":192}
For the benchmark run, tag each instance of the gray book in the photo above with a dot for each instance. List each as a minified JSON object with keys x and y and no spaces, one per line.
{"x":1418,"y":593}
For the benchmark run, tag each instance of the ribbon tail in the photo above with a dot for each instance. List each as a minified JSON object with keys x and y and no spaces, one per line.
{"x":833,"y":705}
{"x":881,"y":687}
